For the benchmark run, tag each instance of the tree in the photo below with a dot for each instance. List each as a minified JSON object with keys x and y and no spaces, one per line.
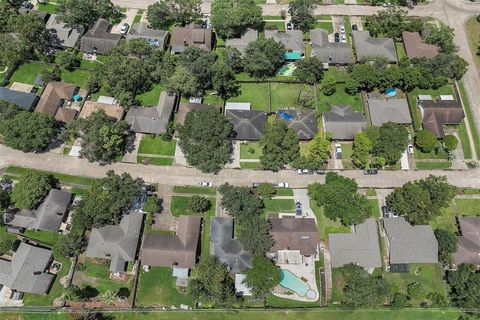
{"x":425,"y":140}
{"x":31,"y":32}
{"x":51,"y":75}
{"x":254,"y":235}
{"x":399,"y":300}
{"x":352,"y":86}
{"x":279,"y":146}
{"x":67,"y":60}
{"x":13,"y":51}
{"x":31,"y":189}
{"x":392,"y":22}
{"x":224,"y":82}
{"x":164,"y":13}
{"x":442,"y":36}
{"x":416,"y":291}
{"x":262,"y":277}
{"x":320,"y":150}
{"x":68,"y":245}
{"x":309,"y":70}
{"x":391,"y":143}
{"x":450,"y":142}
{"x":233,"y":59}
{"x":240,"y":203}
{"x":151,"y":205}
{"x":203,"y":139}
{"x":86,"y":12}
{"x":362,"y":146}
{"x":464,"y":286}
{"x":182,"y":82}
{"x":302,"y":13}
{"x":265,"y":190}
{"x":340,"y":199}
{"x":365,"y":76}
{"x":231,"y":17}
{"x":263,"y":57}
{"x":199,"y":204}
{"x":447,"y":244}
{"x":328,"y":85}
{"x":28,"y":131}
{"x":201,"y":64}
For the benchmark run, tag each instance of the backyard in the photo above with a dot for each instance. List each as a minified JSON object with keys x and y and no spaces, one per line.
{"x":340,"y":97}
{"x":324,"y":224}
{"x":256,"y":94}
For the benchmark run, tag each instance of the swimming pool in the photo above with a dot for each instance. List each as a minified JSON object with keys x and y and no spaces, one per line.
{"x":290,"y":281}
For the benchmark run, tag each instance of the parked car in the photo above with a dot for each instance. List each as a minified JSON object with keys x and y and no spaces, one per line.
{"x":255,"y":184}
{"x":385,"y":212}
{"x":370,"y":171}
{"x":304,"y":171}
{"x":342,"y":29}
{"x":354,"y":27}
{"x":394,"y":213}
{"x":320,"y":172}
{"x":125,"y":28}
{"x":298,"y":208}
{"x":281,"y":185}
{"x":26,"y":5}
{"x":289,"y":26}
{"x":338,"y":151}
{"x":337,"y":37}
{"x":410,"y":149}
{"x":207,"y":184}
{"x":344,"y":39}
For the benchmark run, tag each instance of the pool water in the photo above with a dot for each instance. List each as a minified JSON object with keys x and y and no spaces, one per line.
{"x":290,"y":281}
{"x":287,"y":70}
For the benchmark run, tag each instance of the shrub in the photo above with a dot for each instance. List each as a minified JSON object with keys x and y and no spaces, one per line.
{"x":450,"y":142}
{"x":199,"y":204}
{"x":425,"y":140}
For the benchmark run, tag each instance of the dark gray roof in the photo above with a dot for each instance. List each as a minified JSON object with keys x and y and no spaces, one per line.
{"x":153,"y":120}
{"x":389,"y":110}
{"x":410,"y":244}
{"x":48,"y":216}
{"x":360,"y":247}
{"x":64,"y":35}
{"x":141,"y":30}
{"x":98,"y":39}
{"x":26,"y":272}
{"x":343,"y":123}
{"x":247,"y":124}
{"x":26,"y":101}
{"x":228,"y":250}
{"x":292,"y":39}
{"x":304,"y":123}
{"x":117,"y":242}
{"x":329,"y":52}
{"x":367,"y":47}
{"x":241,"y":43}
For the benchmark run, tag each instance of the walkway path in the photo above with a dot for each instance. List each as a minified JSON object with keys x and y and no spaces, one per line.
{"x":328,"y":274}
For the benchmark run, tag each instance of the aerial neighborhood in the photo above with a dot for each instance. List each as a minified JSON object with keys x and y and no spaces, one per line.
{"x":194,"y":159}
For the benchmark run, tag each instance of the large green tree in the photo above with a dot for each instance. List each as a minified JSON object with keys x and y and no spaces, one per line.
{"x":442,"y":36}
{"x":279,"y":146}
{"x":309,"y":70}
{"x":425,"y":140}
{"x":362,"y":146}
{"x":302,"y":13}
{"x":31,"y":189}
{"x":262,"y":277}
{"x":201,"y":64}
{"x":392,"y":22}
{"x":263,"y":57}
{"x":391,"y":142}
{"x":204,"y":139}
{"x":240,"y":202}
{"x":231,"y":17}
{"x":464,"y":286}
{"x":254,"y":235}
{"x":447,"y":245}
{"x":320,"y":149}
{"x":182,"y":82}
{"x":224,"y":82}
{"x":86,"y":12}
{"x":165,"y":13}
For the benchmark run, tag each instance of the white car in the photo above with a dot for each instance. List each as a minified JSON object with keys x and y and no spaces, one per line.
{"x":410,"y":149}
{"x":338,"y":151}
{"x":281,"y":185}
{"x":344,"y":39}
{"x":206,"y":184}
{"x":342,"y":29}
{"x":124,"y":29}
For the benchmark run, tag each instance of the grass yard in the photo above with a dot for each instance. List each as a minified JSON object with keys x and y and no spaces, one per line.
{"x":48,"y":238}
{"x":429,"y":155}
{"x":287,"y":192}
{"x":156,"y":145}
{"x":338,"y":283}
{"x":179,"y":207}
{"x":433,"y":165}
{"x":469,"y":115}
{"x":374,"y":208}
{"x":279,"y":205}
{"x":276,"y":25}
{"x":464,"y":140}
{"x":155,"y":161}
{"x":137,"y":18}
{"x":255,"y":93}
{"x":49,"y":7}
{"x":338,"y":74}
{"x":468,"y":207}
{"x":4,"y":235}
{"x":446,"y":220}
{"x":157,"y":288}
{"x":347,"y":151}
{"x":286,"y":95}
{"x":340,"y":97}
{"x":150,"y":98}
{"x":195,"y":190}
{"x":473,"y":34}
{"x":250,"y":150}
{"x":272,"y":301}
{"x":63,"y":178}
{"x":348,"y":28}
{"x":77,"y":77}
{"x":250,"y":165}
{"x":27,"y":73}
{"x":400,"y":50}
{"x":212,"y":99}
{"x":324,"y":224}
{"x":370,"y":192}
{"x":98,"y":276}
{"x":324,"y":25}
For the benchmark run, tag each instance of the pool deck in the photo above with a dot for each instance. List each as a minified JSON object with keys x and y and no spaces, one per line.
{"x":305,"y":271}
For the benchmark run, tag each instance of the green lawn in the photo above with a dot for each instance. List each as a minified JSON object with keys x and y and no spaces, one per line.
{"x":370,"y":192}
{"x":348,"y":28}
{"x":287,"y":192}
{"x":246,"y":149}
{"x":4,"y":235}
{"x":324,"y":25}
{"x":339,"y":75}
{"x":256,"y":94}
{"x":340,"y":97}
{"x":429,"y":155}
{"x":324,"y":224}
{"x":446,"y":220}
{"x":195,"y":190}
{"x":150,"y":98}
{"x":338,"y":283}
{"x":156,"y":145}
{"x":137,"y":18}
{"x":63,"y":178}
{"x":98,"y":276}
{"x":48,"y":238}
{"x":464,"y":140}
{"x":286,"y":95}
{"x":433,"y":165}
{"x":374,"y":208}
{"x":205,"y":238}
{"x":278,"y":25}
{"x":157,"y":288}
{"x":179,"y":206}
{"x":250,"y":165}
{"x":471,"y":191}
{"x":472,"y":28}
{"x":279,"y":205}
{"x":155,"y":161}
{"x":468,"y":207}
{"x":469,"y":115}
{"x":400,"y":50}
{"x":347,"y":151}
{"x":27,"y":73}
{"x":272,"y":301}
{"x":47,"y":7}
{"x":77,"y":77}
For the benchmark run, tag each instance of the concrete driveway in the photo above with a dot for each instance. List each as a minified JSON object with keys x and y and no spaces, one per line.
{"x":128,"y":18}
{"x":302,"y":196}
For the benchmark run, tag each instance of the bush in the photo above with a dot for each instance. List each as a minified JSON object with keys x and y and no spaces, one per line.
{"x":199,"y":204}
{"x":450,"y":142}
{"x":31,"y":189}
{"x":425,"y":140}
{"x":328,"y":86}
{"x":6,"y":246}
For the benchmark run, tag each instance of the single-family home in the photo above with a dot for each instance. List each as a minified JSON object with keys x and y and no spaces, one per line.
{"x":53,"y":98}
{"x":249,"y":35}
{"x":27,"y":271}
{"x":192,"y":35}
{"x":48,"y":216}
{"x":185,"y":107}
{"x":118,"y":243}
{"x":367,"y":47}
{"x":304,"y":123}
{"x":330,"y":52}
{"x":468,"y":249}
{"x":410,"y":244}
{"x":291,"y":39}
{"x":437,"y":113}
{"x":360,"y":247}
{"x":111,"y":109}
{"x":295,"y":240}
{"x":226,"y":248}
{"x":63,"y":35}
{"x":98,"y":39}
{"x":155,"y":38}
{"x":416,"y":48}
{"x":343,"y":122}
{"x":152,"y":120}
{"x":247,"y":124}
{"x":383,"y":110}
{"x":25,"y":101}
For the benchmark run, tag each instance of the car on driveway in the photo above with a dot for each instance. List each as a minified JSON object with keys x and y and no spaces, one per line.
{"x":281,"y":185}
{"x":298,"y":208}
{"x":289,"y":26}
{"x":354,"y":27}
{"x":385,"y":212}
{"x":124,"y":29}
{"x":344,"y":38}
{"x":410,"y":149}
{"x":320,"y":172}
{"x":255,"y":184}
{"x":338,"y":151}
{"x":342,"y":29}
{"x":207,"y":184}
{"x":337,"y":37}
{"x":370,"y":171}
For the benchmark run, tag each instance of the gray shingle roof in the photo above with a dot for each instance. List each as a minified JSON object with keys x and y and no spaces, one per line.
{"x":343,"y":123}
{"x":98,"y":39}
{"x":329,"y":52}
{"x":228,"y":250}
{"x":389,"y":110}
{"x":241,"y":43}
{"x":26,"y":271}
{"x":361,"y":247}
{"x":64,"y":35}
{"x":247,"y":124}
{"x":292,"y":39}
{"x":26,"y":101}
{"x":410,"y":244}
{"x":155,"y":37}
{"x":303,"y":123}
{"x":117,"y":242}
{"x":367,"y":47}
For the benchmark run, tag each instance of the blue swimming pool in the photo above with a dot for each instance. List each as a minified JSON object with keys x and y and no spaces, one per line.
{"x":290,"y":281}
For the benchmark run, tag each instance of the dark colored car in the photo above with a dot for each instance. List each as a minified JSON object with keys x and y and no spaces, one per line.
{"x":298,"y":208}
{"x":354,"y":27}
{"x":385,"y":212}
{"x":337,"y":37}
{"x":370,"y":171}
{"x":321,"y":172}
{"x":26,"y":5}
{"x":289,"y":26}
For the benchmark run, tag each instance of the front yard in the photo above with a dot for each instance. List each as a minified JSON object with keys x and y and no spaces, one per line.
{"x":468,"y":207}
{"x":195,"y":190}
{"x":250,"y":150}
{"x":179,"y":207}
{"x":279,"y":205}
{"x":154,"y":150}
{"x":326,"y":225}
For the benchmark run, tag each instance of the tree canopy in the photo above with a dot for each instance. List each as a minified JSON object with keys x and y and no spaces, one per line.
{"x":447,"y":245}
{"x":164,"y":13}
{"x":425,"y":140}
{"x":302,"y":13}
{"x":31,"y":189}
{"x":362,"y":146}
{"x":262,"y":277}
{"x":231,"y":17}
{"x":224,"y":82}
{"x":392,"y":22}
{"x":309,"y":70}
{"x":279,"y":146}
{"x":390,"y":142}
{"x":263,"y":57}
{"x":464,"y":286}
{"x":86,"y":12}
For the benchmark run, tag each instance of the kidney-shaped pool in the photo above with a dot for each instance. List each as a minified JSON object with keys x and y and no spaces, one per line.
{"x":292,"y":282}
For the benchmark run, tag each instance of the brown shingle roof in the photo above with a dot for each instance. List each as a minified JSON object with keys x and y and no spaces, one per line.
{"x":468,"y":250}
{"x":65,"y":115}
{"x":191,"y":35}
{"x":294,"y":234}
{"x":54,"y":95}
{"x":416,"y":48}
{"x":111,"y":110}
{"x":436,"y":114}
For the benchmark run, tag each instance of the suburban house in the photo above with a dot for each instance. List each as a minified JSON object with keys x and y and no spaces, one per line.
{"x":304,"y":123}
{"x":27,"y":271}
{"x":118,"y":243}
{"x":26,"y":101}
{"x":228,"y":250}
{"x":436,"y":114}
{"x":343,"y":122}
{"x":98,"y":39}
{"x":361,"y":247}
{"x":63,"y":35}
{"x":409,"y":244}
{"x":367,"y":47}
{"x":330,"y":52}
{"x":247,"y":124}
{"x":153,"y":120}
{"x":389,"y":110}
{"x":53,"y":98}
{"x":296,"y":240}
{"x":48,"y":216}
{"x":416,"y":48}
{"x":241,"y":43}
{"x":111,"y":109}
{"x":192,"y":35}
{"x":291,"y":39}
{"x":155,"y":38}
{"x":468,"y":249}
{"x":185,"y":107}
